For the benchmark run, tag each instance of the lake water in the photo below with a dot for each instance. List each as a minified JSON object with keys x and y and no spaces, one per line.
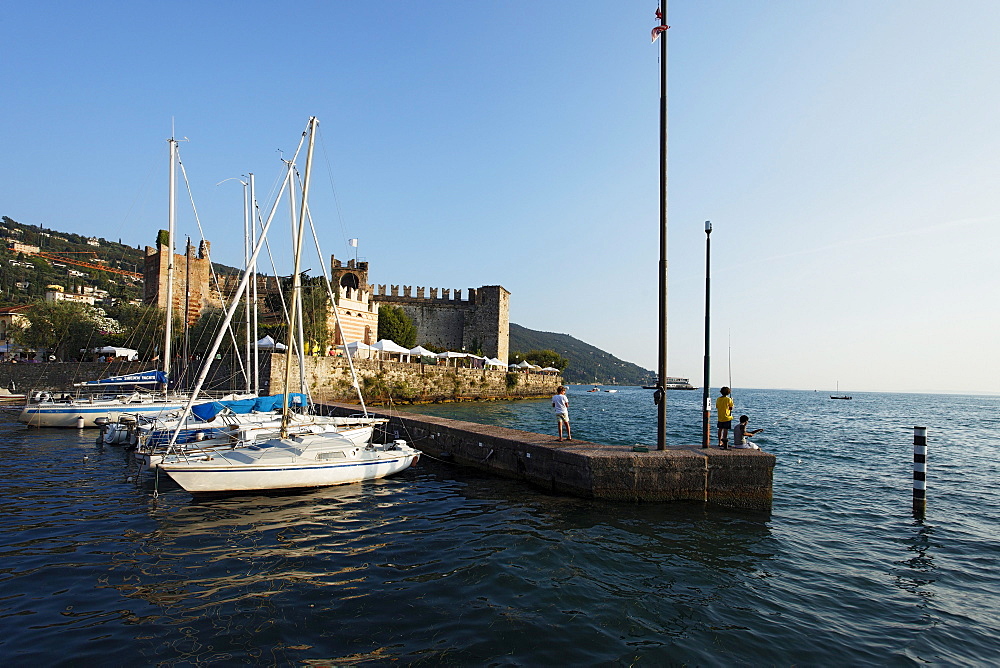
{"x":442,"y":565}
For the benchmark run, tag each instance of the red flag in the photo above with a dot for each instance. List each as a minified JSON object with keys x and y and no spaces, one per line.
{"x":659,"y":29}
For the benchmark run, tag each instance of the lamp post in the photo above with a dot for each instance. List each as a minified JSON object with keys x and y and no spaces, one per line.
{"x":706,"y":436}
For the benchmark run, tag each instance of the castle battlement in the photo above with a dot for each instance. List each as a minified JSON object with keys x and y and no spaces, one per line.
{"x":435,"y":295}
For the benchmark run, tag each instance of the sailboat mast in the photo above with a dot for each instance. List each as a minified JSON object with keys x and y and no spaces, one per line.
{"x":171,"y":218}
{"x":661,"y":412}
{"x":296,"y":278}
{"x":246,"y":298}
{"x":253,"y":274}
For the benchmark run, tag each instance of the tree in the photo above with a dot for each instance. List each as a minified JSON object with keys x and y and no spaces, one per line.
{"x":63,"y":327}
{"x":395,"y":325}
{"x":315,"y":312}
{"x":141,"y":328}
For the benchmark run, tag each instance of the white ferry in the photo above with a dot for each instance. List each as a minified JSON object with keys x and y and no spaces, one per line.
{"x":674,"y":383}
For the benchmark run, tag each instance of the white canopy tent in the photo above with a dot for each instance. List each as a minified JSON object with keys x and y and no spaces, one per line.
{"x":448,"y":356}
{"x":113,"y":351}
{"x":268,"y":343}
{"x":358,"y":350}
{"x":389,"y":347}
{"x":493,"y":361}
{"x":420,"y":351}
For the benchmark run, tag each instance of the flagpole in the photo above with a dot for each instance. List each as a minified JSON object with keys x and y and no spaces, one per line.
{"x":661,"y":414}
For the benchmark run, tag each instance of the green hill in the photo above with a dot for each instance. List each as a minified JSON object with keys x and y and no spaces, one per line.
{"x":587,"y":364}
{"x":81,"y":262}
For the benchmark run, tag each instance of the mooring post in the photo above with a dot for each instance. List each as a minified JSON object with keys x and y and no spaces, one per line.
{"x":919,"y":469}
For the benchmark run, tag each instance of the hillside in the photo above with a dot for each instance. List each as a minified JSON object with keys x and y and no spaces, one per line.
{"x":82,"y":262}
{"x":587,"y":364}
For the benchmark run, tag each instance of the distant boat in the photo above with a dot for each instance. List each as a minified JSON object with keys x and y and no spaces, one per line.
{"x":610,"y":390}
{"x":676,"y":383}
{"x":838,"y":395}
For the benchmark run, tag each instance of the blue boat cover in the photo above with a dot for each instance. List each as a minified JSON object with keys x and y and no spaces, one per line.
{"x":209,"y":410}
{"x":141,"y":378}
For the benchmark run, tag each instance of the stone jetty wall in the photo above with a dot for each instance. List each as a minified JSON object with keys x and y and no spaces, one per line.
{"x":330,"y":380}
{"x":733,"y":478}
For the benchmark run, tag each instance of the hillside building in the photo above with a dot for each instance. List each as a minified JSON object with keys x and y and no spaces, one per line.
{"x":18,"y":247}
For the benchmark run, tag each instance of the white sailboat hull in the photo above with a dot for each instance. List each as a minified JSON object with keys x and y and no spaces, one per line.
{"x":318,"y":460}
{"x":68,"y":414}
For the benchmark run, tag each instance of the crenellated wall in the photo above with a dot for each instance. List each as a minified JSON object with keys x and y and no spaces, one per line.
{"x":443,"y":318}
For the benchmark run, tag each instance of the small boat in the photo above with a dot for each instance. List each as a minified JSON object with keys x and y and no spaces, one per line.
{"x":594,"y":389}
{"x":11,"y":398}
{"x":610,"y":390}
{"x":109,"y":404}
{"x":45,"y":409}
{"x":293,"y":462}
{"x":838,"y":395}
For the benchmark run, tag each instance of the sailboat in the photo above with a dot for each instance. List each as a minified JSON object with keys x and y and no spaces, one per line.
{"x":289,"y":460}
{"x":839,"y":395}
{"x":130,"y":395}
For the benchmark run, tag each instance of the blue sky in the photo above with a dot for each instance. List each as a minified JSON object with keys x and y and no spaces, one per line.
{"x":847,"y":153}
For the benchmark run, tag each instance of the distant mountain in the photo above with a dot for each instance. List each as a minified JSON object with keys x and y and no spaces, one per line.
{"x":587,"y":364}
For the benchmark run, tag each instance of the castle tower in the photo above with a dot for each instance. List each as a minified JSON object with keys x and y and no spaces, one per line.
{"x":358,"y":312}
{"x":196,"y":296}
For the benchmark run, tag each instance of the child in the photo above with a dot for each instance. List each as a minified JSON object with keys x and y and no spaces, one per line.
{"x":724,"y":408}
{"x":560,"y":402}
{"x":742,"y":432}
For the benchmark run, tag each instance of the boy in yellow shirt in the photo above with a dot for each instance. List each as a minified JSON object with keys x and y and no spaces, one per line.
{"x":724,"y":409}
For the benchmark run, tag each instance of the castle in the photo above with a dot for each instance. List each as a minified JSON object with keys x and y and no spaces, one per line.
{"x":477,"y":324}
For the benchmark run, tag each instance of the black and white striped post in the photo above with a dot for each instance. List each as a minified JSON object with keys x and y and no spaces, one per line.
{"x":919,"y":469}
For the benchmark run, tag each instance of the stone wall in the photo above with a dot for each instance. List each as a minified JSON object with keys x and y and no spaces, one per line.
{"x":732,"y":478}
{"x":330,"y":380}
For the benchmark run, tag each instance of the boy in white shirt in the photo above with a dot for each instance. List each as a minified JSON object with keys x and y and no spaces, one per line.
{"x":560,"y":402}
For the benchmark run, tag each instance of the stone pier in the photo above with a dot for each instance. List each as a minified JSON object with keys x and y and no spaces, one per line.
{"x":733,"y":478}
